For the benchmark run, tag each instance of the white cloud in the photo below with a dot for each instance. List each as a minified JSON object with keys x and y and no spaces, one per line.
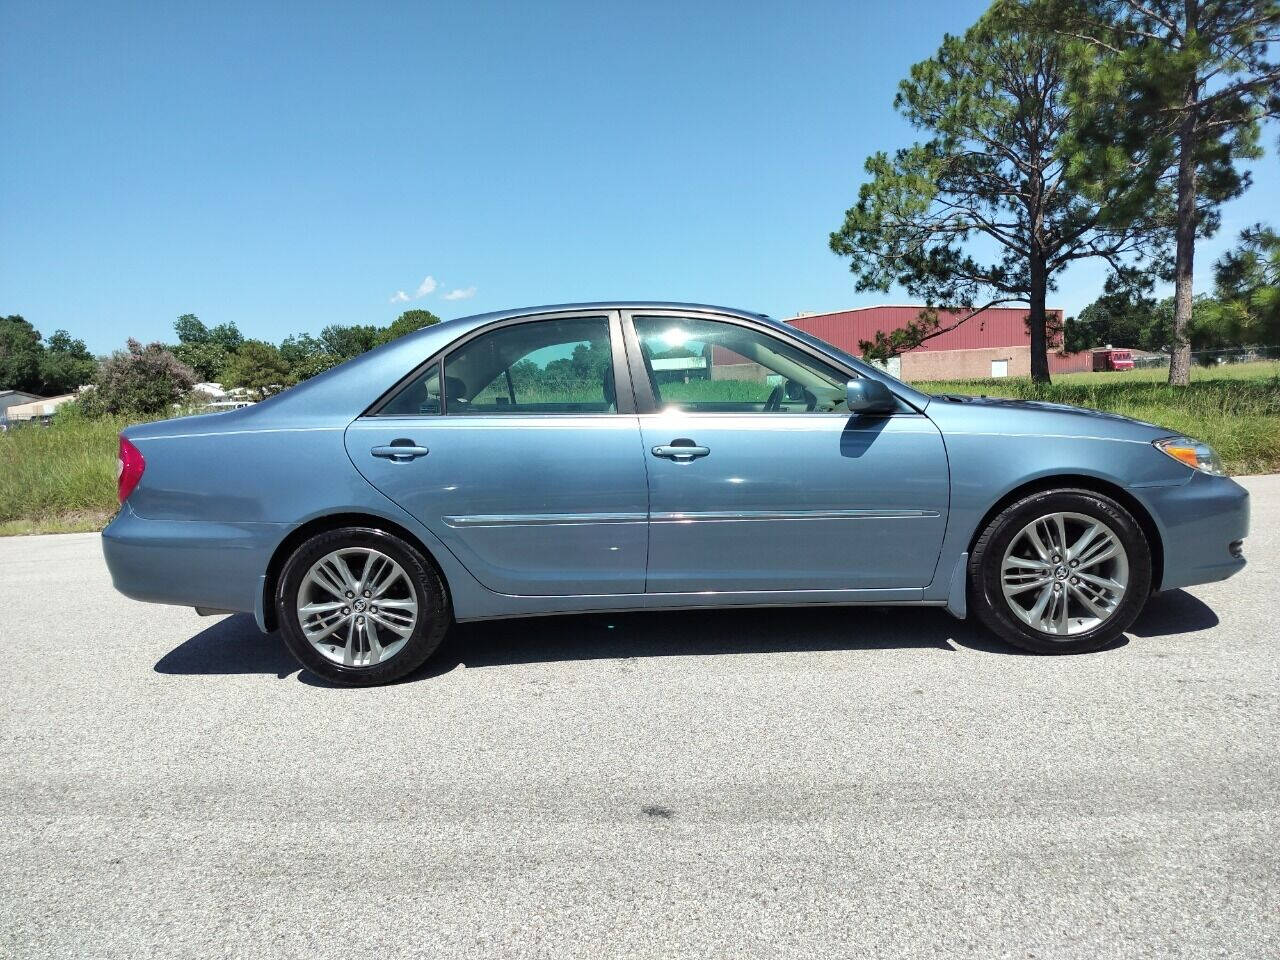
{"x":461,"y":294}
{"x":425,"y":288}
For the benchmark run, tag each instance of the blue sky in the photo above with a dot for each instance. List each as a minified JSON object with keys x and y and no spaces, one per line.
{"x":289,"y":166}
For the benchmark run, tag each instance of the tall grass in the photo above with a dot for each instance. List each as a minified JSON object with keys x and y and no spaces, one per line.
{"x":59,"y":477}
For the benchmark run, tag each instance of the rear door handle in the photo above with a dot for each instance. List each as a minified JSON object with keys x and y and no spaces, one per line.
{"x":681,"y":450}
{"x":401,"y":451}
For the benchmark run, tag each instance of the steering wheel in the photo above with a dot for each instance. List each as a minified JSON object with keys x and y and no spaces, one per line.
{"x":774,"y":403}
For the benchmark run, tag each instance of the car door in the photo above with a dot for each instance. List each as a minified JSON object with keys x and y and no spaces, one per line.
{"x":759,"y":478}
{"x":527,"y":464}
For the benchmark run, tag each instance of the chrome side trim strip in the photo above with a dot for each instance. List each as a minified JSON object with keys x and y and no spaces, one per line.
{"x":541,"y":519}
{"x":710,"y":516}
{"x":752,"y":515}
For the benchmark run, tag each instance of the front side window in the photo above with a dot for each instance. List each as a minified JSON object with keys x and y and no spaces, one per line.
{"x":708,"y":366}
{"x":544,"y":366}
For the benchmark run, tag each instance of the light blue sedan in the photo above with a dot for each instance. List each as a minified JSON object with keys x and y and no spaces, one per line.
{"x":645,"y":456}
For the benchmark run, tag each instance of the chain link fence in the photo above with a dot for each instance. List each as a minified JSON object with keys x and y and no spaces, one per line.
{"x":1211,"y":358}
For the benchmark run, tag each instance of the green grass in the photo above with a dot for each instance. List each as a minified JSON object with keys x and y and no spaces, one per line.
{"x":1234,"y":408}
{"x":1259,"y":370}
{"x":59,"y":478}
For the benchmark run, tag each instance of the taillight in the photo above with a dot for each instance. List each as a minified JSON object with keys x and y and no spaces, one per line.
{"x":130,"y":469}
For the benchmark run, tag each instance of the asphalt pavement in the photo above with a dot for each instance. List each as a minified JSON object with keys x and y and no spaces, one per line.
{"x":778,"y":783}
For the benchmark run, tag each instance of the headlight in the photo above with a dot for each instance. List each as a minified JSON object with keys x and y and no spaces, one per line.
{"x":1196,"y":455}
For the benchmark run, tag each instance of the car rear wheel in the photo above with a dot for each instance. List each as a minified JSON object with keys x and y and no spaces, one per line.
{"x":1061,"y":571}
{"x":360,"y":606}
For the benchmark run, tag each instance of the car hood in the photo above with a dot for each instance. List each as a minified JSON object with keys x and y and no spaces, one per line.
{"x":1013,"y":402}
{"x":1039,"y":416}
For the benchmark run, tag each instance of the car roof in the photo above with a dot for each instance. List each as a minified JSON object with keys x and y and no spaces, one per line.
{"x":479,"y":319}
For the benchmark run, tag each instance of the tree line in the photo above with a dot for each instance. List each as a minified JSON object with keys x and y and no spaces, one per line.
{"x":1243,"y":310}
{"x":221,"y":355}
{"x":150,"y":379}
{"x":32,"y":364}
{"x":1059,"y":131}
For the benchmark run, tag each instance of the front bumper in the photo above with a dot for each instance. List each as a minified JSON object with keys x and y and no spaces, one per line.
{"x":1200,"y":522}
{"x":189,"y":562}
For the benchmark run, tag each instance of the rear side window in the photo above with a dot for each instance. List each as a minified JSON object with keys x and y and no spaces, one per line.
{"x":420,"y":397}
{"x":541,"y":367}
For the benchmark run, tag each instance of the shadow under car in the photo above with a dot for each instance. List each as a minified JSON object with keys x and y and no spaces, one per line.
{"x":234,"y":644}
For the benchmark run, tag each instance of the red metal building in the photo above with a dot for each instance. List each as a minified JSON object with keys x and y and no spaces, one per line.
{"x":995,"y":343}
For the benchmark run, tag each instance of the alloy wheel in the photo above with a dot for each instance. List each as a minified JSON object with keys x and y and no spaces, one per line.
{"x":357,"y":607}
{"x":1064,"y":573}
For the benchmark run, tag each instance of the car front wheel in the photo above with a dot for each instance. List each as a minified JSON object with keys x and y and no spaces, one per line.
{"x":1060,"y":571}
{"x":360,"y":606}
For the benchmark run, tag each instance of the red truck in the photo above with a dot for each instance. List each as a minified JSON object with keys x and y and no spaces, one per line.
{"x":1110,"y":359}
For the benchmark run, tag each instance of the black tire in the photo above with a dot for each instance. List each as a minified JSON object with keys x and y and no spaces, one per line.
{"x":986,"y":595}
{"x":435,"y":612}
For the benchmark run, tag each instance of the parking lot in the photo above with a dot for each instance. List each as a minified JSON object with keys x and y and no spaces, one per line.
{"x":855,"y":782}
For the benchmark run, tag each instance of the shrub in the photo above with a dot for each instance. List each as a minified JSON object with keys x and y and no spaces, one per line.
{"x":142,"y":380}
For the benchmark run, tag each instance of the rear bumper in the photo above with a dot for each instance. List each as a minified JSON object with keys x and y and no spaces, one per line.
{"x":1201,"y":522}
{"x":189,"y":562}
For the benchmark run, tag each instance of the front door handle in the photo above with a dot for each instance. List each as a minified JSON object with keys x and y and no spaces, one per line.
{"x":400,"y":451}
{"x":681,"y":450}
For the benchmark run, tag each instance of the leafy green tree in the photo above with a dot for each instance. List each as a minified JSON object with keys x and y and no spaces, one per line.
{"x":208,"y":360}
{"x":1157,"y":331}
{"x":257,"y":366}
{"x":138,"y":380}
{"x":312,"y":366}
{"x":1120,"y":317}
{"x":20,"y":351}
{"x":1248,"y":287}
{"x":346,"y":342}
{"x":227,"y":336}
{"x":1215,"y":327}
{"x":1210,"y":328}
{"x":407,"y":322}
{"x":204,"y":350}
{"x":1168,"y":95}
{"x":981,"y":213}
{"x":65,"y":364}
{"x":190,"y":329}
{"x":298,"y":347}
{"x":305,"y":357}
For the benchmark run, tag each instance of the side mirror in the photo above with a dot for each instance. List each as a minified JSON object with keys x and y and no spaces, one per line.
{"x":870,"y":396}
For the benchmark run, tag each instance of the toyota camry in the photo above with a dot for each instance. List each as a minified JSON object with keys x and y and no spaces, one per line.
{"x":647,"y":456}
